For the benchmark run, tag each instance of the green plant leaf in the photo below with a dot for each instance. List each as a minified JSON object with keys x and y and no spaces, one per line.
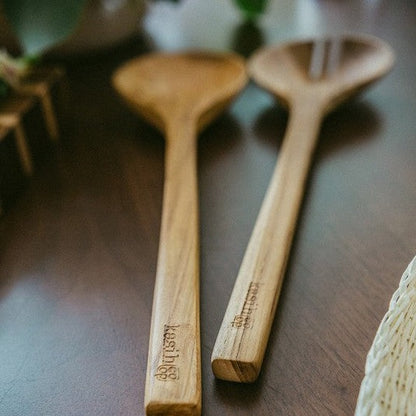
{"x":40,"y":24}
{"x":251,"y":8}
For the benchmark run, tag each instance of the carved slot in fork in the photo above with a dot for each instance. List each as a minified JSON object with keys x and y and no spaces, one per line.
{"x":325,"y":57}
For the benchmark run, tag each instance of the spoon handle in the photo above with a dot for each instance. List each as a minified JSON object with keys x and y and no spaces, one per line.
{"x":242,"y":339}
{"x":173,"y":381}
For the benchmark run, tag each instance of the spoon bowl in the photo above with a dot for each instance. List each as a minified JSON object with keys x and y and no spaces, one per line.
{"x":310,"y":78}
{"x":333,"y":70}
{"x":179,"y":94}
{"x":197,"y":85}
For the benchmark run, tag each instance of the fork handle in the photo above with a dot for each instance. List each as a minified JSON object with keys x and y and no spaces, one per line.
{"x":242,"y":339}
{"x":173,"y":380}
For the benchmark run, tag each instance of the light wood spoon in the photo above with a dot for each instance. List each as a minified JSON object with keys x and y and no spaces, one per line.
{"x":311,"y":78}
{"x":179,"y":93}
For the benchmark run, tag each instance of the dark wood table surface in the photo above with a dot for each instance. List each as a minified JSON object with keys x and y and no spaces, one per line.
{"x":78,"y":249}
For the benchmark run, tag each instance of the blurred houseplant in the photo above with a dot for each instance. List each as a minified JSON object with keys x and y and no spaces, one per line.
{"x":67,"y":27}
{"x":251,"y":9}
{"x":60,"y":27}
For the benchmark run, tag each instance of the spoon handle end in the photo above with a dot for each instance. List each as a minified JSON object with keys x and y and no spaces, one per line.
{"x":235,"y":370}
{"x":155,"y":408}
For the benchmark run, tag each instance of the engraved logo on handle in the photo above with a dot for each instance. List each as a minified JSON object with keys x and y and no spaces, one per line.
{"x":168,"y":369}
{"x":245,"y":318}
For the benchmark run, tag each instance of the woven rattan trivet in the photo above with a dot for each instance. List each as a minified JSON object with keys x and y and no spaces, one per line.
{"x":389,"y":385}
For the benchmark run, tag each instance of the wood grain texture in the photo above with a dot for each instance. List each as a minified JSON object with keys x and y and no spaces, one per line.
{"x":174,"y":363}
{"x":178,"y":93}
{"x":305,"y":76}
{"x":78,"y":250}
{"x":241,"y":343}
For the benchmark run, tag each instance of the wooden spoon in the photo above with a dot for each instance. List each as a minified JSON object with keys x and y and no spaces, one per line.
{"x":179,"y":94}
{"x":311,"y":78}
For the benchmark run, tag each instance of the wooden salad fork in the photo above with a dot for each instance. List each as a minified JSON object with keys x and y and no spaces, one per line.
{"x":311,"y":78}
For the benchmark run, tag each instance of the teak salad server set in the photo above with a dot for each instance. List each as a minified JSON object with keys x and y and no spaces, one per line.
{"x":180,"y":93}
